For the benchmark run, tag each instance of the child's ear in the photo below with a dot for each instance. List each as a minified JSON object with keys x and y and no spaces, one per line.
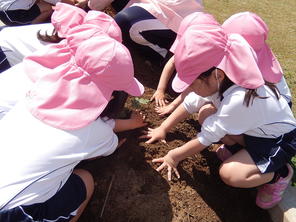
{"x":220,"y":75}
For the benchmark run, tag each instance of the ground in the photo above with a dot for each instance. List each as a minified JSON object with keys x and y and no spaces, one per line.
{"x":129,"y":189}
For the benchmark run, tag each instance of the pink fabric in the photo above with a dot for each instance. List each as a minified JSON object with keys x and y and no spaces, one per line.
{"x":66,"y":17}
{"x":202,"y":44}
{"x":170,"y":12}
{"x":193,"y":19}
{"x":75,"y":78}
{"x":255,"y":31}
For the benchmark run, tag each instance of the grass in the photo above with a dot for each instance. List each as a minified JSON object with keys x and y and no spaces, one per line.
{"x":280,"y":18}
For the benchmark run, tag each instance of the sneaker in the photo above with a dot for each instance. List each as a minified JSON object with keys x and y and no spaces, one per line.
{"x":270,"y":195}
{"x":223,"y":153}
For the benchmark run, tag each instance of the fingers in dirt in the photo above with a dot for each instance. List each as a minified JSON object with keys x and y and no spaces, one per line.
{"x":158,"y":160}
{"x":169,"y":173}
{"x":177,"y":173}
{"x":160,"y":168}
{"x":151,"y":140}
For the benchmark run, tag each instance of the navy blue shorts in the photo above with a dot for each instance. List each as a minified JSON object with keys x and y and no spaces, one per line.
{"x":20,"y":17}
{"x":271,"y":154}
{"x":60,"y":208}
{"x":4,"y":64}
{"x":118,"y":5}
{"x":163,"y":38}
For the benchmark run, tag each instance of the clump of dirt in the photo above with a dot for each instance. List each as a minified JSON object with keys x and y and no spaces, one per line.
{"x":138,"y":193}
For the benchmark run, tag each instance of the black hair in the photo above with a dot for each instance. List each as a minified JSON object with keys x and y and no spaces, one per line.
{"x":250,"y":95}
{"x":205,"y":75}
{"x":53,"y":37}
{"x":224,"y":85}
{"x":115,"y":105}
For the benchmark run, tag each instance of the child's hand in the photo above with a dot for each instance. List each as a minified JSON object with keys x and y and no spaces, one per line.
{"x":155,"y":134}
{"x":138,"y":119}
{"x":165,"y":109}
{"x":170,"y":162}
{"x":159,"y":98}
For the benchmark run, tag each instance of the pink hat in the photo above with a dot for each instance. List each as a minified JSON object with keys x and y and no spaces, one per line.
{"x":66,"y":17}
{"x":205,"y":45}
{"x":78,"y":76}
{"x":197,"y":18}
{"x":255,"y":31}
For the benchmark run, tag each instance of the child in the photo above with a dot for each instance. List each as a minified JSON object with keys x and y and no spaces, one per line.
{"x":155,"y":32}
{"x":250,"y":111}
{"x":255,"y":31}
{"x":151,"y":25}
{"x":21,"y":41}
{"x":15,"y":12}
{"x":66,"y":117}
{"x":17,"y":42}
{"x":11,"y":90}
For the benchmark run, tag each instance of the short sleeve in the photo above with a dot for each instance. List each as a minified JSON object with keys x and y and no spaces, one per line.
{"x":193,"y":102}
{"x":110,"y":122}
{"x":102,"y":141}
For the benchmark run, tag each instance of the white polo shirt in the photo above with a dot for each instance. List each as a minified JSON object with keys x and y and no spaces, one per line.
{"x":16,"y":42}
{"x":16,"y":4}
{"x":193,"y":102}
{"x":6,"y":5}
{"x":37,"y":159}
{"x":268,"y":118}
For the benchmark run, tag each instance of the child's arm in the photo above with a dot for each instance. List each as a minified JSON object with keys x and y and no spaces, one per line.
{"x":173,"y":105}
{"x":137,"y":120}
{"x":166,"y":74}
{"x":173,"y":157}
{"x":159,"y":133}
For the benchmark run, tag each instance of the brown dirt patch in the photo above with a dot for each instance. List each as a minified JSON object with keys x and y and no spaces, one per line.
{"x":140,"y":193}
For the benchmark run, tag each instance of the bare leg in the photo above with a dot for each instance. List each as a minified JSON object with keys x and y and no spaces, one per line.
{"x":89,"y":184}
{"x":240,"y":171}
{"x":233,"y":139}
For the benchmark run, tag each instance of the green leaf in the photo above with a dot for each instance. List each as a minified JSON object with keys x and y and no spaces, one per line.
{"x":142,"y":100}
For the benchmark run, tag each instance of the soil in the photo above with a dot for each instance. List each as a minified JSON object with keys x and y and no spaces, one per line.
{"x":129,"y":189}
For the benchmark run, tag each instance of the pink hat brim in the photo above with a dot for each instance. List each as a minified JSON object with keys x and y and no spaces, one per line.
{"x":179,"y":85}
{"x":255,"y":31}
{"x":135,"y":89}
{"x":49,"y":100}
{"x":269,"y":65}
{"x":240,"y":65}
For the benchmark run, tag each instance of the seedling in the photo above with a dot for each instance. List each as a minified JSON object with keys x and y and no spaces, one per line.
{"x":138,"y":102}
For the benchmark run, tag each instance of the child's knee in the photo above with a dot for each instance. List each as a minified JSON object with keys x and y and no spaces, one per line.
{"x":88,"y":181}
{"x":228,"y":175}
